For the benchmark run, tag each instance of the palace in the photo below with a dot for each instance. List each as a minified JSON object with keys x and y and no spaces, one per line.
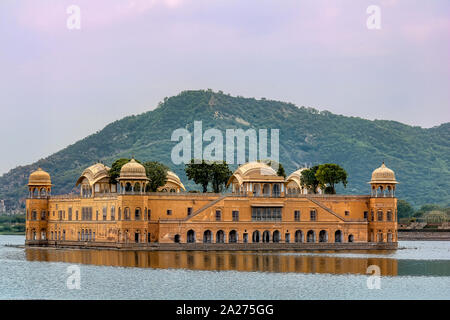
{"x":262,"y":211}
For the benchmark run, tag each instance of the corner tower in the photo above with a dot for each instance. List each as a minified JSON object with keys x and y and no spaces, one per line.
{"x":39,"y":187}
{"x":383,"y":206}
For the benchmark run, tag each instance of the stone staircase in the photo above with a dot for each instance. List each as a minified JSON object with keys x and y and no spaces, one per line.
{"x":209,"y":205}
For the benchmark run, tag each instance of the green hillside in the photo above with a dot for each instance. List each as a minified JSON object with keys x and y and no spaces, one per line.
{"x":420,"y":157}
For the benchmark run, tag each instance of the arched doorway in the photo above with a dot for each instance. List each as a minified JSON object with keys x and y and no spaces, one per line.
{"x":323,"y":236}
{"x":311,"y":236}
{"x":207,"y":236}
{"x":232,"y":237}
{"x":220,"y":237}
{"x":191,"y":236}
{"x":266,"y":236}
{"x":389,"y":237}
{"x":276,"y":236}
{"x":255,"y":236}
{"x":298,"y":236}
{"x":338,"y":236}
{"x":287,"y":237}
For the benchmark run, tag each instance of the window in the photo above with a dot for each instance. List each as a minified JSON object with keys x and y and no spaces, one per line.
{"x":43,"y":215}
{"x":218,"y":215}
{"x":70,"y":214}
{"x":313,"y":215}
{"x":169,"y":212}
{"x":366,"y":215}
{"x":113,"y":213}
{"x":371,"y":216}
{"x":380,"y":215}
{"x":76,"y":215}
{"x":96,"y":215}
{"x":34,"y":215}
{"x":86,"y":213}
{"x":137,"y":214}
{"x":189,"y":211}
{"x":347,"y":213}
{"x":149,"y":214}
{"x":105,"y":209}
{"x":126,"y":214}
{"x":297,"y":215}
{"x":389,"y":215}
{"x":60,"y":214}
{"x":235,"y":215}
{"x":266,"y":213}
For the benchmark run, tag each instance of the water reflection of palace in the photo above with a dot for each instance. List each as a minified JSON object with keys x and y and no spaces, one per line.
{"x":217,"y":260}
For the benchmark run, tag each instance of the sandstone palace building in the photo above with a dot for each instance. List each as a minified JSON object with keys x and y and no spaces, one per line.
{"x":262,"y":211}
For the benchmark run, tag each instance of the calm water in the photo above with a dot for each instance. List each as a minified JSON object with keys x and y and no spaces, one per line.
{"x":418,"y":270}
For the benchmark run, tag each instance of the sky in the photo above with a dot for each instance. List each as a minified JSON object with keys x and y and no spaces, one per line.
{"x":60,"y":84}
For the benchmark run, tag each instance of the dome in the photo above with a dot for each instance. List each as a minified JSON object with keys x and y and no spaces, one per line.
{"x":383,"y":175}
{"x":258,"y":167}
{"x":94,"y":173}
{"x":39,"y":178}
{"x":133,"y":170}
{"x":296,"y":177}
{"x":252,"y":171}
{"x":173,"y":178}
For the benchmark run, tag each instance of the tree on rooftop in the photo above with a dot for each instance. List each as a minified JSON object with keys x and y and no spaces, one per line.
{"x":330,"y":174}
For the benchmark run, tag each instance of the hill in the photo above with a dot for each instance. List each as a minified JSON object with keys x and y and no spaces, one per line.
{"x":420,"y":157}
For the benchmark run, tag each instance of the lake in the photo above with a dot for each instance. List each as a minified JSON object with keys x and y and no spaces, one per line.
{"x":417,"y":270}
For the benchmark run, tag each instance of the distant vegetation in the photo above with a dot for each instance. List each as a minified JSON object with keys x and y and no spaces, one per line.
{"x":420,"y":157}
{"x":427,"y":212}
{"x":14,"y":224}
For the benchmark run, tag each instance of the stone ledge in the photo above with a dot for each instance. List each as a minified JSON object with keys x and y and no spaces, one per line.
{"x":214,"y":246}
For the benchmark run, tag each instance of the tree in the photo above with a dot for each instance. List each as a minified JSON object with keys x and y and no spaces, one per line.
{"x":114,"y":172}
{"x":199,"y":173}
{"x":404,"y":209}
{"x":219,"y":173}
{"x":427,"y":208}
{"x":157,"y":173}
{"x":308,"y":179}
{"x":205,"y":172}
{"x":280,"y":171}
{"x":330,"y":174}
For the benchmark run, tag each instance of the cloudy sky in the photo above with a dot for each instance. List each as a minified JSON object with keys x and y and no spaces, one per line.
{"x":58,"y":85}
